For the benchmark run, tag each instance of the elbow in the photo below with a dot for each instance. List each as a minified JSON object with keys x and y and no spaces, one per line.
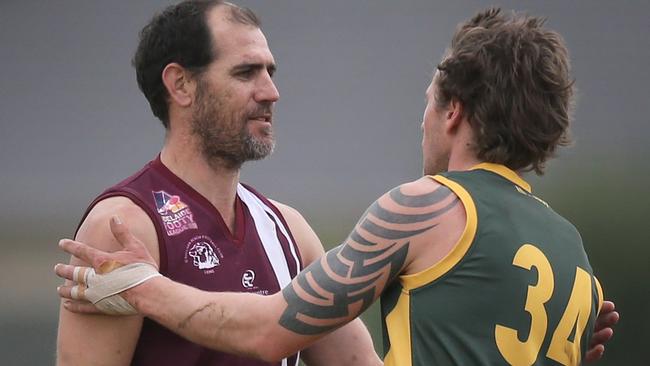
{"x":269,"y":356}
{"x":271,"y":353}
{"x":256,"y":335}
{"x":270,"y":347}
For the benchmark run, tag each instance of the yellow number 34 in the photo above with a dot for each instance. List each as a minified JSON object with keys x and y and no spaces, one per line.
{"x":576,"y":315}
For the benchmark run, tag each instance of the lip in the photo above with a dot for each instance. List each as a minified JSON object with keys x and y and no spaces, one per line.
{"x":266,"y":118}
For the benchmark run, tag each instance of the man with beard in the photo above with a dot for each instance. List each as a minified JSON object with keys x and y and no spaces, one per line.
{"x":206,"y":70}
{"x":471,"y":267}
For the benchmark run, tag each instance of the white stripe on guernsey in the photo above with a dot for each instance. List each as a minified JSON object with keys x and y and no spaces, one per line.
{"x":268,"y":236}
{"x":286,"y":235}
{"x":266,"y":229}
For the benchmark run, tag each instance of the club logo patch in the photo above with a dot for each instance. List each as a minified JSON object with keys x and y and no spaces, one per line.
{"x":176,"y":215}
{"x":203,"y":254}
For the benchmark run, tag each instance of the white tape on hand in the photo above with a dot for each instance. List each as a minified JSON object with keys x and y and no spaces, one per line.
{"x":115,"y":305}
{"x":77,"y":292}
{"x":103,"y":289}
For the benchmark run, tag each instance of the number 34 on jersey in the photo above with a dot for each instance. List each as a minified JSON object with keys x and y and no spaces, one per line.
{"x":573,"y":321}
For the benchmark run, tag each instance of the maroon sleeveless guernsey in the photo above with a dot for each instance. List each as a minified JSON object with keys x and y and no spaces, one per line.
{"x":197,"y":249}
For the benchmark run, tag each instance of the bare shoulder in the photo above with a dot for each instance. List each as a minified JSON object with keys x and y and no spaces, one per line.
{"x":425,"y":213}
{"x":307,"y":241}
{"x":95,"y":229}
{"x":420,"y":195}
{"x":286,"y":210}
{"x":435,"y":206}
{"x":421,"y":186}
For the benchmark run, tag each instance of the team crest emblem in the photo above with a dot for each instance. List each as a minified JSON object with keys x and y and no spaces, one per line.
{"x":204,"y":254}
{"x":175,"y":214}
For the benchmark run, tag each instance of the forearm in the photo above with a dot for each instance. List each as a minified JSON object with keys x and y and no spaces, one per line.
{"x":240,"y":323}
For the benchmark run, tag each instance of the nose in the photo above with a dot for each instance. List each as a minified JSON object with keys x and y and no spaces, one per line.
{"x":266,"y":90}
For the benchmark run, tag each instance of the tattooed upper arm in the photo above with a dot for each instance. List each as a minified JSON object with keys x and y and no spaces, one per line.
{"x":349,"y":278}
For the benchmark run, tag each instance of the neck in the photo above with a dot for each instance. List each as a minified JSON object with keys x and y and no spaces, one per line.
{"x":463,"y":160}
{"x":215,"y":181}
{"x":463,"y":155}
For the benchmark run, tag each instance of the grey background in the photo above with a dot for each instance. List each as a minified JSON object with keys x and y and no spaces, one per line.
{"x":352,"y":76}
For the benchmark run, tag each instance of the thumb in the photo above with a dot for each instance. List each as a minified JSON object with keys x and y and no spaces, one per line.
{"x":121,"y":232}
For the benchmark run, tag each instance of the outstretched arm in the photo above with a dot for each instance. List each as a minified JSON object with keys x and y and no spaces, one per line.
{"x":326,"y":295}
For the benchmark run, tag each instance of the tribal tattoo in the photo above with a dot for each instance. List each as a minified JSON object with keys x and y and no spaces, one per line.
{"x":349,"y":278}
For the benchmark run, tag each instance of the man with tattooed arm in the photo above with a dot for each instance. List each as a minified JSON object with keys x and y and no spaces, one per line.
{"x":472,"y":268}
{"x":206,"y":70}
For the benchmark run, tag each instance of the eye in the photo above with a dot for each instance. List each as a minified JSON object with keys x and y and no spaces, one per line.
{"x":245,"y":73}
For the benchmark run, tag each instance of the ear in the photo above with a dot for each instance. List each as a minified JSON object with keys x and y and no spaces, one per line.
{"x":179,"y":85}
{"x":453,"y":115}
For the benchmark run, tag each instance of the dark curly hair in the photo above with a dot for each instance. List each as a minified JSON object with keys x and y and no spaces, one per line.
{"x":179,"y":34}
{"x":511,"y":76}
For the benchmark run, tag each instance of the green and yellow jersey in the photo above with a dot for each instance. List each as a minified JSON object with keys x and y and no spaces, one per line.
{"x":516,"y":289}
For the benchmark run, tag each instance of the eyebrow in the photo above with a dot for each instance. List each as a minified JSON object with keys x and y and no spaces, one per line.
{"x":271,"y":68}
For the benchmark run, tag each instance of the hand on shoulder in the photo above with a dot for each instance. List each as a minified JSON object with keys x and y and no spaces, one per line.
{"x":95,"y":229}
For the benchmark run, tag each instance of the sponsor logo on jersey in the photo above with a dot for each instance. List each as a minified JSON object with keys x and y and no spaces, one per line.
{"x":203,"y":254}
{"x":247,"y":278}
{"x":176,"y":215}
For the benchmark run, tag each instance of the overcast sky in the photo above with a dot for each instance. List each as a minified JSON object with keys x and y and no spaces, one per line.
{"x":352,"y":76}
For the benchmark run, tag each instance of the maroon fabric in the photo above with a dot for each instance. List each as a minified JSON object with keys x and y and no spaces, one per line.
{"x":196,"y":248}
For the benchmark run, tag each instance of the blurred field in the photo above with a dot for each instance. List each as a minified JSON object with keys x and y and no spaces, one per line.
{"x":29,"y":305}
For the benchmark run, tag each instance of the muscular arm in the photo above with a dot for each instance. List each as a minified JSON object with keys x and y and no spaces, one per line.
{"x":349,"y":345}
{"x":329,"y":293}
{"x":101,"y":339}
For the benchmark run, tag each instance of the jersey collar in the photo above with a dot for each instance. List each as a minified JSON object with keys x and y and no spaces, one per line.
{"x":505,"y":172}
